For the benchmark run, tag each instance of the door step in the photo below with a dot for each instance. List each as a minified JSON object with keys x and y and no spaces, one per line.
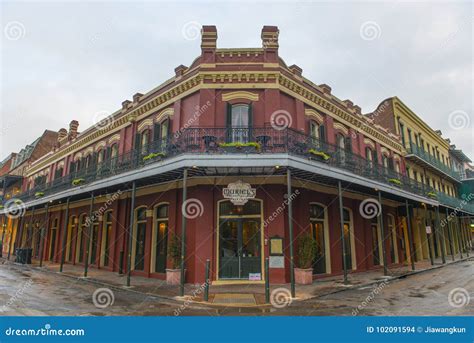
{"x":234,"y":298}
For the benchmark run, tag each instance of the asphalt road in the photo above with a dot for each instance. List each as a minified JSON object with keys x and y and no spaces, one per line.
{"x":444,"y":291}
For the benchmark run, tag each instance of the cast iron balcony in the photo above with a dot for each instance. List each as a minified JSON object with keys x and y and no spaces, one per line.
{"x":259,"y":140}
{"x":431,"y":162}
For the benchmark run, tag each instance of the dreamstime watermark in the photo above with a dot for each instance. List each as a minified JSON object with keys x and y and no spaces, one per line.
{"x":280,"y":297}
{"x":102,"y":120}
{"x":191,"y":30}
{"x":14,"y":208}
{"x":103,"y":297}
{"x":280,"y":209}
{"x":459,"y":120}
{"x":373,"y":293}
{"x":370,"y":208}
{"x":14,"y":30}
{"x":453,"y":214}
{"x":199,"y":110}
{"x":192,"y":208}
{"x":103,"y":208}
{"x":194,"y":294}
{"x":459,"y":297}
{"x":370,"y":30}
{"x":281,"y":120}
{"x":19,"y":292}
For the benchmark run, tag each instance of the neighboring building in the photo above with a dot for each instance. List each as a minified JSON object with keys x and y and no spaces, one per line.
{"x":230,"y":140}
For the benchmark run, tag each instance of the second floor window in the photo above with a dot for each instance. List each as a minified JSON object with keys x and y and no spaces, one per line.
{"x":239,"y":121}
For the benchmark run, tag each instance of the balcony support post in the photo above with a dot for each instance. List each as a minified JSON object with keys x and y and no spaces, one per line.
{"x":459,"y":235}
{"x":382,"y":232}
{"x":90,"y":227}
{"x":410,"y":243}
{"x":341,"y":221}
{"x":441,"y":233}
{"x":20,"y":231}
{"x":42,"y":232}
{"x":466,"y":231}
{"x":290,"y":232}
{"x":450,"y":235}
{"x":429,"y":236}
{"x":30,"y":226}
{"x":64,"y":240}
{"x":183,"y":232}
{"x":130,"y":233}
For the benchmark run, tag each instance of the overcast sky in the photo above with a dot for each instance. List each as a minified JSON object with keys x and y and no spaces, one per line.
{"x":70,"y":60}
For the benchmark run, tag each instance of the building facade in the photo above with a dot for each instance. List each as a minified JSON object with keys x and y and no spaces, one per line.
{"x":238,"y":156}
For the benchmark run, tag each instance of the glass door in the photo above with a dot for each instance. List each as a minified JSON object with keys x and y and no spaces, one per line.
{"x":229,"y":236}
{"x":250,"y":259}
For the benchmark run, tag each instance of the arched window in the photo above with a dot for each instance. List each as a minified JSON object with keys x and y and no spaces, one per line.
{"x":160,"y":238}
{"x":70,"y":231}
{"x":376,"y":241}
{"x":100,"y":156}
{"x":106,"y":238}
{"x":318,"y":222}
{"x":145,"y":138}
{"x":369,"y":155}
{"x":139,"y":235}
{"x":81,"y":234}
{"x":239,"y":121}
{"x":52,"y":238}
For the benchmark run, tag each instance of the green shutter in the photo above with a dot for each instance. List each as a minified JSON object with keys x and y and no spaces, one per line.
{"x":229,"y":123}
{"x":250,"y":122}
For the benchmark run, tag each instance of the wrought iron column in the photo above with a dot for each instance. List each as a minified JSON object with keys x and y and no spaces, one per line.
{"x":382,"y":232}
{"x":30,"y":224}
{"x":459,"y":235}
{"x":64,"y":241}
{"x":412,"y":257}
{"x":341,"y":219}
{"x":466,"y":230}
{"x":130,"y":233}
{"x":20,"y":231}
{"x":443,"y":239}
{"x":450,"y":235}
{"x":4,"y":227}
{"x":42,"y":235}
{"x":183,"y":231}
{"x":90,"y":227}
{"x":428,"y":236}
{"x":290,"y":232}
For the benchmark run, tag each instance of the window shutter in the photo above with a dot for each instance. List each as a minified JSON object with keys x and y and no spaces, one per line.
{"x":108,"y":153}
{"x":348,"y":143}
{"x":138,"y":139}
{"x":156,"y":132}
{"x":391,"y":166}
{"x":229,"y":122}
{"x":322,"y":133}
{"x":250,"y":121}
{"x":375,"y":156}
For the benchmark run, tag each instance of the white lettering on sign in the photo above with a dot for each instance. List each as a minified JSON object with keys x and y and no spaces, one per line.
{"x":239,"y":192}
{"x":428,"y":229}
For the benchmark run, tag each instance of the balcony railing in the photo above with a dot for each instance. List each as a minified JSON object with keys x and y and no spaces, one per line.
{"x":433,"y":161}
{"x":262,"y":140}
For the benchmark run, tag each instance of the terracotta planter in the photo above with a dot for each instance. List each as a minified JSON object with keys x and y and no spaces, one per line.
{"x":173,"y":276}
{"x":304,"y":276}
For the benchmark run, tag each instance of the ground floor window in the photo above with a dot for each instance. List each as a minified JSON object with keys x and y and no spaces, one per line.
{"x":374,"y":228}
{"x":139,"y":240}
{"x":106,"y":239}
{"x":318,"y":223}
{"x":347,"y":253}
{"x":160,"y":238}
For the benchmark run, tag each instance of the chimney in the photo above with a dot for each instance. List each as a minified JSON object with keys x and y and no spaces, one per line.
{"x":62,"y":134}
{"x":296,"y":70}
{"x":136,"y":97}
{"x":357,"y":109}
{"x":126,"y":104}
{"x":326,"y":88}
{"x":270,"y":43}
{"x":208,"y":43}
{"x":349,"y":104}
{"x":179,"y":70}
{"x":73,"y":125}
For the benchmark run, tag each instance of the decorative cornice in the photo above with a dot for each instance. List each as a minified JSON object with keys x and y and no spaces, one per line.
{"x":100,"y":145}
{"x":369,"y":142}
{"x":114,"y":138}
{"x":240,"y":95}
{"x":341,"y":127}
{"x":167,"y":112}
{"x":144,"y":124}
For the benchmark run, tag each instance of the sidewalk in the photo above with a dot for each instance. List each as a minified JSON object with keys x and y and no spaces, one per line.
{"x":194,"y":293}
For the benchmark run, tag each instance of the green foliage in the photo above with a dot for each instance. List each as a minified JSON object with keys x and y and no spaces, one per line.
{"x":39,"y":194}
{"x":321,"y":154}
{"x":174,"y":251}
{"x":396,"y":182}
{"x":239,"y":145}
{"x":153,"y":155}
{"x":432,"y":195}
{"x":306,"y":251}
{"x":77,"y":181}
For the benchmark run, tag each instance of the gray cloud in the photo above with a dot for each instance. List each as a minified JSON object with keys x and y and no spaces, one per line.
{"x":76,"y":59}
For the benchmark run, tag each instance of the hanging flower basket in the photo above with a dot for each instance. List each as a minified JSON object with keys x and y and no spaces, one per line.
{"x":39,"y":194}
{"x":18,"y":201}
{"x":432,"y":195}
{"x":395,"y":182}
{"x":2,"y":207}
{"x":320,"y":154}
{"x":153,"y":156}
{"x":77,"y":182}
{"x":242,"y":148}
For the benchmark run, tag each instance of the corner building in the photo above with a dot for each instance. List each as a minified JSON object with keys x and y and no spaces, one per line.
{"x":229,"y":139}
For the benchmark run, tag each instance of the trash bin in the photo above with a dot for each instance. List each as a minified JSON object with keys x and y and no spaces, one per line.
{"x":28,"y":253}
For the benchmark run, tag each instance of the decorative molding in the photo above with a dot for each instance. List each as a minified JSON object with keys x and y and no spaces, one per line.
{"x":100,"y":145}
{"x":384,"y":151}
{"x":240,"y":95}
{"x":341,"y":127}
{"x":309,"y":112}
{"x":88,"y":151}
{"x":60,"y":165}
{"x":369,"y":142}
{"x":145,"y":124}
{"x":77,"y":156}
{"x":114,"y":138}
{"x":167,"y":112}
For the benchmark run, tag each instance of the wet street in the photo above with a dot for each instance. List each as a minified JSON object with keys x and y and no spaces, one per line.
{"x":444,"y":291}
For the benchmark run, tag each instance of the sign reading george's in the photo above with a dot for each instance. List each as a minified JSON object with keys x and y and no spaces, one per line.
{"x":239,"y":192}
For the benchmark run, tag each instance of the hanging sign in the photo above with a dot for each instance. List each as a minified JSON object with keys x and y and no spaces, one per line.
{"x":239,"y":192}
{"x":428,"y":229}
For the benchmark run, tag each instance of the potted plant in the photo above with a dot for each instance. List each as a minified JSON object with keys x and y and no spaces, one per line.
{"x":78,"y":181}
{"x":153,"y":155}
{"x":432,"y":195}
{"x":39,"y":194}
{"x":306,"y":254}
{"x":173,"y":275}
{"x":395,"y":182}
{"x":239,"y":147}
{"x":320,"y":155}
